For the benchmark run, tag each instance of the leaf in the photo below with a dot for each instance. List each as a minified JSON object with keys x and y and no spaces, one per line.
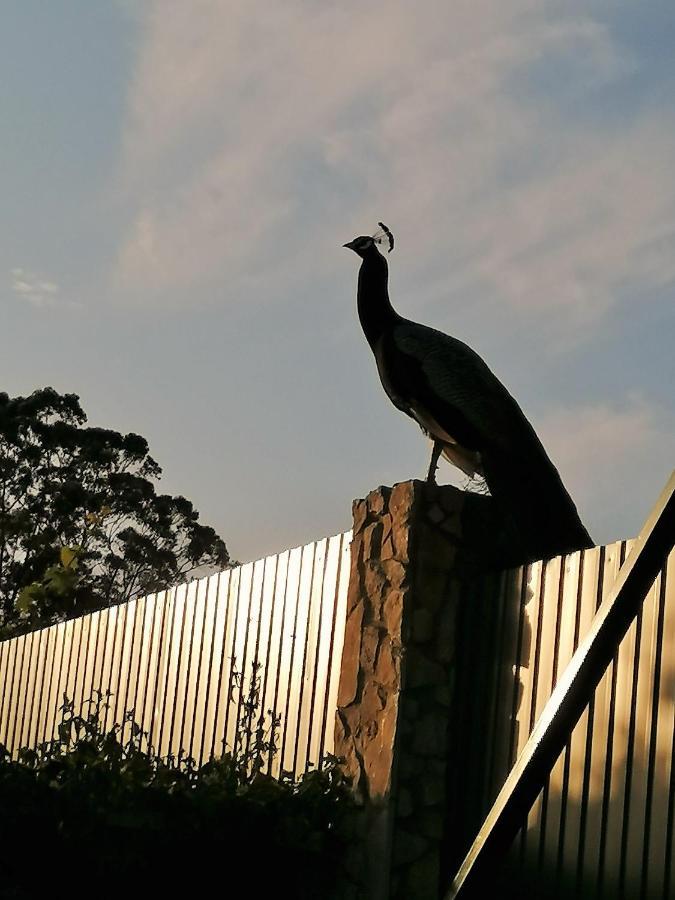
{"x":69,"y":557}
{"x":28,"y":597}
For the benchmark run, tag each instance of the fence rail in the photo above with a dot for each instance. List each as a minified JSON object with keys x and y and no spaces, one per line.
{"x":603,"y":825}
{"x":182,"y":659}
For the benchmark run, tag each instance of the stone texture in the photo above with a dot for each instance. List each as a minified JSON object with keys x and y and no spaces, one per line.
{"x":416,"y":550}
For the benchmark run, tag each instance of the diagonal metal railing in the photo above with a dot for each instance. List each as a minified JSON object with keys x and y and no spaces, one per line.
{"x":569,"y":699}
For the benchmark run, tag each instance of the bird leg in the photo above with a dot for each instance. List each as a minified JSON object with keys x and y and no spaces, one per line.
{"x":436,"y":451}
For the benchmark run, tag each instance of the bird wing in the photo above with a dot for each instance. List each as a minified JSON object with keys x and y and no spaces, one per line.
{"x":457,"y":389}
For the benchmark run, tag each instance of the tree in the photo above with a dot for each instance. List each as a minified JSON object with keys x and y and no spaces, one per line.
{"x":81,"y":523}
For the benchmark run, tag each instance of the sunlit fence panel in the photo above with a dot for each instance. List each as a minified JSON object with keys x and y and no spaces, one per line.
{"x":184,"y":661}
{"x":603,"y":825}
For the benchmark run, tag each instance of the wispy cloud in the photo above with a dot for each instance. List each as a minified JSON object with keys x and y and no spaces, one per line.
{"x":33,"y":289}
{"x":614,"y":458}
{"x":286,"y":126}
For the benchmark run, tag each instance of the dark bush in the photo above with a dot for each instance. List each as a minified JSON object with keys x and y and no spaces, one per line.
{"x":97,"y":813}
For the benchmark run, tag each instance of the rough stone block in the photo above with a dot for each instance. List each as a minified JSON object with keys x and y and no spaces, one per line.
{"x":386,"y":526}
{"x":435,"y":514}
{"x":359,"y":516}
{"x":452,"y":499}
{"x":401,"y":499}
{"x":377,"y":501}
{"x":443,"y":695}
{"x":433,"y":791}
{"x":387,"y":667}
{"x":395,"y":572}
{"x":421,"y":671}
{"x":404,"y":804}
{"x":372,"y":538}
{"x":408,"y":847}
{"x":430,"y":736}
{"x":374,"y":589}
{"x":370,"y":640}
{"x":387,"y":551}
{"x":422,"y":878}
{"x":351,"y":654}
{"x":431,"y":589}
{"x":392,"y":612}
{"x":422,"y":626}
{"x":431,"y":823}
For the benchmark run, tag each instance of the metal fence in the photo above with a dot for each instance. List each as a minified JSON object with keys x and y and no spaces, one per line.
{"x":603,"y":825}
{"x":182,"y":659}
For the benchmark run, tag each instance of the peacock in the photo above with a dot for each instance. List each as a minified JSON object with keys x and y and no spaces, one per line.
{"x":472,"y":419}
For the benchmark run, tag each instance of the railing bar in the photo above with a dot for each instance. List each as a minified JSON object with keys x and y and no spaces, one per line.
{"x":5,"y":653}
{"x":51,"y":681}
{"x":226,"y":616}
{"x":263,"y":690}
{"x":118,"y":693}
{"x":169,"y":646}
{"x":177,"y":681}
{"x":670,"y":822}
{"x":209,"y":674}
{"x":156,"y":668}
{"x":233,"y":662}
{"x":163,"y":659}
{"x":630,"y":751}
{"x":290,"y":666}
{"x":554,"y":677}
{"x":303,"y":667}
{"x":491,"y":766}
{"x":653,"y":730}
{"x":588,"y":755}
{"x":535,"y":686}
{"x":329,"y":668}
{"x":137,"y":679}
{"x":188,"y":669}
{"x":45,"y":655}
{"x":572,"y":692}
{"x":85,"y":664}
{"x":255,"y":663}
{"x":146,"y":683}
{"x":25,"y":696}
{"x":312,"y":702}
{"x":207,"y":586}
{"x":244,"y":658}
{"x":22,"y":639}
{"x":39,"y":659}
{"x":281,"y":650}
{"x":112,"y":703}
{"x":519,"y":652}
{"x":95,"y":683}
{"x":568,"y":745}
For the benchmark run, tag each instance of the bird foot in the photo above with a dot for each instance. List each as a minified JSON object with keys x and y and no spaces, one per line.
{"x":433,"y":464}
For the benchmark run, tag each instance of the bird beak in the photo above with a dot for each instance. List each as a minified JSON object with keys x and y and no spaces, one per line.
{"x":349,"y":246}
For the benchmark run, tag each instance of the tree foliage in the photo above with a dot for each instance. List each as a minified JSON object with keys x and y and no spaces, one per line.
{"x":81,"y":522}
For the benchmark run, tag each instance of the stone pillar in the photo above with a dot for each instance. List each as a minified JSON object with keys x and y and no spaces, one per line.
{"x":415,"y":548}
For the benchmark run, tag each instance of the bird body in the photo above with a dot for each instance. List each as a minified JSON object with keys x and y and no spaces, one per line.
{"x":455,"y":398}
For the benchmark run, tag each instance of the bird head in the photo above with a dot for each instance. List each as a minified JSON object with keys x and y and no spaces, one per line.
{"x":366,"y":245}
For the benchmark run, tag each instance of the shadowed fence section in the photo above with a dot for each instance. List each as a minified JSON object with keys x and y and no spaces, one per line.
{"x":603,"y":825}
{"x":179,"y":659}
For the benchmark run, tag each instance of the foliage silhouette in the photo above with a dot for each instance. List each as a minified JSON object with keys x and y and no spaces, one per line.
{"x":81,"y":523}
{"x":102,"y":813}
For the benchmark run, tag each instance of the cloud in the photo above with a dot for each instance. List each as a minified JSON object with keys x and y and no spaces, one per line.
{"x":33,"y":289}
{"x":256,"y":138}
{"x":614,"y":459}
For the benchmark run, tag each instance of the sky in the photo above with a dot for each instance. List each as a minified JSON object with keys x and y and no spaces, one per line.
{"x":177,"y":181}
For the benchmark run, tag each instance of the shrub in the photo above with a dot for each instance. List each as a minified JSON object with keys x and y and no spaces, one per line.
{"x":98,"y":812}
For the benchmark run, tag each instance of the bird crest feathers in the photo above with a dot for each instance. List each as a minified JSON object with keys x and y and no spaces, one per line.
{"x":383,"y":234}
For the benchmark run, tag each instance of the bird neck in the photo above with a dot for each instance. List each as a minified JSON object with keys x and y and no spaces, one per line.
{"x":375,"y":310}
